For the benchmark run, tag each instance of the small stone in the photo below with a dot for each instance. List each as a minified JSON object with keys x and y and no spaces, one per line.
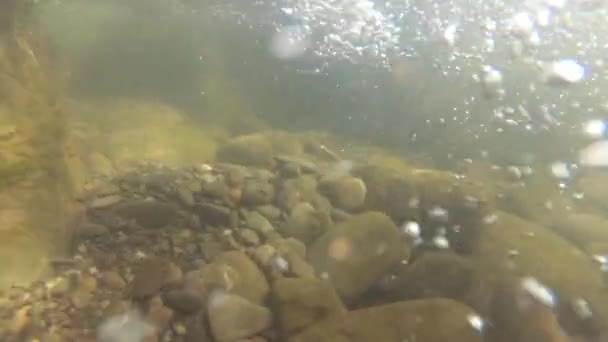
{"x":345,"y":192}
{"x":180,"y":329}
{"x":59,"y":287}
{"x":249,"y":237}
{"x":185,"y":196}
{"x":269,"y":211}
{"x":232,"y":317}
{"x":105,"y":202}
{"x":89,"y":230}
{"x":263,"y":255}
{"x":185,"y":301}
{"x":213,"y":214}
{"x":159,"y":314}
{"x":210,"y":247}
{"x":257,"y":193}
{"x":305,"y":223}
{"x":258,"y":222}
{"x":113,"y":280}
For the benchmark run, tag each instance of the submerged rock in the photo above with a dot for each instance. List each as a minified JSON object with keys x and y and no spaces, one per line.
{"x":152,"y":275}
{"x":233,"y":272}
{"x":432,"y":320}
{"x":306,"y":223}
{"x":232,"y":317}
{"x":442,"y":275}
{"x":257,"y":193}
{"x":344,"y":192}
{"x":357,"y":252}
{"x":301,"y":303}
{"x":516,"y":245}
{"x":148,"y":214}
{"x":249,"y":150}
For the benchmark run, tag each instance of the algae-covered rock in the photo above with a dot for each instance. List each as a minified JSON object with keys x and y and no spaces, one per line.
{"x":528,"y":249}
{"x":431,"y":320}
{"x":302,"y":302}
{"x":517,"y":316}
{"x":296,"y":190}
{"x":233,"y":318}
{"x":357,"y":252}
{"x":306,"y":223}
{"x":249,"y":150}
{"x":443,"y":275}
{"x":244,"y":277}
{"x":344,"y":192}
{"x":389,"y":190}
{"x":448,"y":201}
{"x":583,"y":230}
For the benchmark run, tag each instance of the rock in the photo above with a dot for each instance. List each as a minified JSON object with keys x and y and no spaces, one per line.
{"x":152,"y":275}
{"x":295,"y":163}
{"x":293,"y":252}
{"x":113,"y":280}
{"x":300,"y":303}
{"x":148,"y":214}
{"x":216,"y":189}
{"x":185,"y":196}
{"x":296,"y":190}
{"x":583,"y":230}
{"x":104,"y":202}
{"x":257,"y":193}
{"x":210,"y":247}
{"x":184,"y":301}
{"x":248,"y":150}
{"x":232,"y":317}
{"x":59,"y":287}
{"x":158,"y":314}
{"x":233,"y":272}
{"x":85,"y":291}
{"x":100,"y":164}
{"x":305,"y":223}
{"x":442,"y":275}
{"x":512,"y":321}
{"x":249,"y":237}
{"x":269,"y":211}
{"x":432,"y":320}
{"x":258,"y":222}
{"x":515,"y":245}
{"x":357,"y":252}
{"x":595,"y":188}
{"x":89,"y":230}
{"x":345,"y":192}
{"x":196,"y":330}
{"x":263,"y":255}
{"x":216,"y":215}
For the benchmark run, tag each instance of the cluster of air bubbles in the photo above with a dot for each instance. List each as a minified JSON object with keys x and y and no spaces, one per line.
{"x":352,"y":30}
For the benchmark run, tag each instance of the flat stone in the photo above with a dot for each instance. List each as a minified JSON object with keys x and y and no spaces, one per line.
{"x":185,"y":301}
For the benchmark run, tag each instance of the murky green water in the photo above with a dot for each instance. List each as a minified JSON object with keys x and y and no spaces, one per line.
{"x":303,"y":170}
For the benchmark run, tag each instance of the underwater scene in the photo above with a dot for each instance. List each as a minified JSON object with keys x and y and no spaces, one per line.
{"x":303,"y":170}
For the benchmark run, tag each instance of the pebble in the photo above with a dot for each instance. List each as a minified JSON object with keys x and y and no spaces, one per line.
{"x":249,"y":237}
{"x":257,"y":193}
{"x":113,"y":280}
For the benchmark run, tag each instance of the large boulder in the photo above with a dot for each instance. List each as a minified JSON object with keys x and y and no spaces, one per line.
{"x":515,"y":246}
{"x":431,"y":320}
{"x":356,"y":253}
